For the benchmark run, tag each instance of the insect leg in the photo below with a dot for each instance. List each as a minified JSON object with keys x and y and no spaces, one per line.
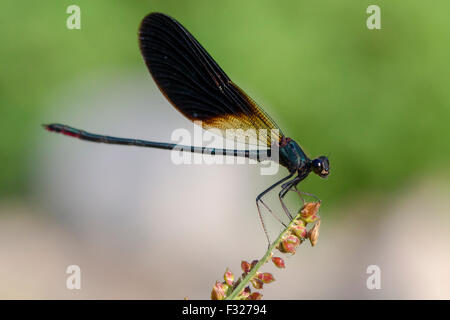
{"x":285,"y":189}
{"x":259,"y":199}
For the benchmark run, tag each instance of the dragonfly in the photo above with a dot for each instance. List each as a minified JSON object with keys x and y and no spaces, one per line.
{"x":196,"y":86}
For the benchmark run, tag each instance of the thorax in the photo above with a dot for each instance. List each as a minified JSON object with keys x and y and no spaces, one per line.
{"x":292,"y":155}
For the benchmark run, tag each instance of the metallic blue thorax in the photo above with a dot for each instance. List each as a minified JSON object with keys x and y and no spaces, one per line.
{"x":293,"y":157}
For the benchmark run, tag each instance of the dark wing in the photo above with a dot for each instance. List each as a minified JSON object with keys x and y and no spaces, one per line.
{"x":193,"y":82}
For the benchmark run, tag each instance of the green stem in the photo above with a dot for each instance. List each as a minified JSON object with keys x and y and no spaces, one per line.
{"x":252,"y":273}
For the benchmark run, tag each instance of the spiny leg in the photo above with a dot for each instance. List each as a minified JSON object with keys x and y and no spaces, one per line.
{"x":259,"y":199}
{"x":304,"y":193}
{"x":262,"y":221}
{"x":282,"y":194}
{"x":285,"y":189}
{"x":271,"y":212}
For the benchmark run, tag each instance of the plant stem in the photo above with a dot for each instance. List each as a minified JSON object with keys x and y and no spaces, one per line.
{"x":252,"y":273}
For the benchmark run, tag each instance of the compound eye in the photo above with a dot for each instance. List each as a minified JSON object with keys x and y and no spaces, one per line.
{"x":317,"y":164}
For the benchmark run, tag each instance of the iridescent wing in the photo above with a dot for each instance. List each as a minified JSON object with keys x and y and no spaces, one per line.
{"x":194,"y":83}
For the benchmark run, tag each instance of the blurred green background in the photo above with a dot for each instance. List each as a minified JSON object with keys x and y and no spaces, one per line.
{"x":376,"y":101}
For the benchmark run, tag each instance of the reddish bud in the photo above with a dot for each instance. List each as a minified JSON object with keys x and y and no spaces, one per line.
{"x":290,"y":243}
{"x":309,"y":212}
{"x":300,"y":230}
{"x":257,"y":283}
{"x":279,"y":262}
{"x":218,"y":291}
{"x":245,"y":266}
{"x":254,"y":262}
{"x":281,"y":248}
{"x":245,"y":293}
{"x":255,"y":296}
{"x":313,"y":234}
{"x":228,"y":277}
{"x":266,"y":277}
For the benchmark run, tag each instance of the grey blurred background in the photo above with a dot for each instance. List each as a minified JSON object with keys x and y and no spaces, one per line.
{"x":141,"y":227}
